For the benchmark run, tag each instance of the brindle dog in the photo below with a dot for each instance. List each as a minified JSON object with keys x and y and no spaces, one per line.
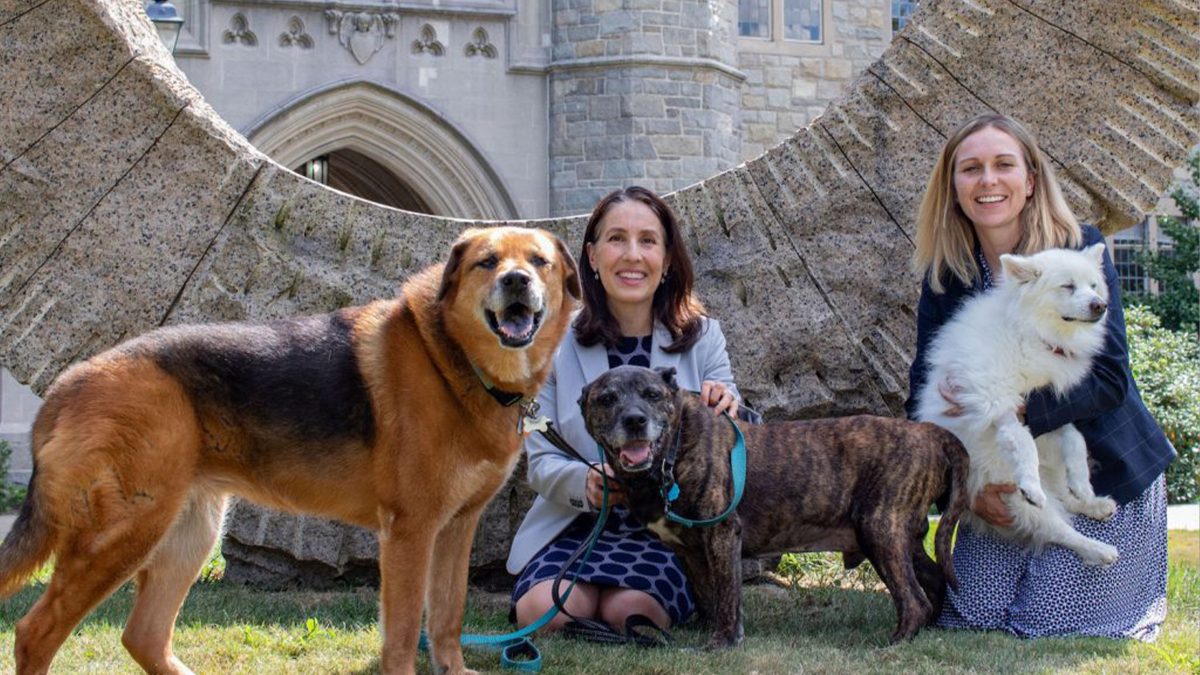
{"x":860,"y":485}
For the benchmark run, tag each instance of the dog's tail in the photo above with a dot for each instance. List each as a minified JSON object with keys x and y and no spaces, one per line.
{"x":28,"y":544}
{"x":957,"y":465}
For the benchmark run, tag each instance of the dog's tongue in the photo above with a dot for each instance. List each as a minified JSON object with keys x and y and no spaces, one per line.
{"x":635,"y":453}
{"x":516,"y":321}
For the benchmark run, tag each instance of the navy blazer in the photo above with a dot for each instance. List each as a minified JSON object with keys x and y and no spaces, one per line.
{"x":1126,"y":444}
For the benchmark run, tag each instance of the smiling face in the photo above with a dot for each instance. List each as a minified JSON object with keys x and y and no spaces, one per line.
{"x":630,"y":255}
{"x":992,"y":181}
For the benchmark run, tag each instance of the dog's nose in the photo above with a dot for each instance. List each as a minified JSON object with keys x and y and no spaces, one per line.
{"x":515,"y":279}
{"x":1097,"y":306}
{"x":634,"y":421}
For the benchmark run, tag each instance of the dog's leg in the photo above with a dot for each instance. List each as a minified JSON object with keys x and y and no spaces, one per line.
{"x":96,"y":557}
{"x":1046,"y":526}
{"x":723,"y":585}
{"x":885,"y":540}
{"x":447,"y":592}
{"x":1072,"y":453}
{"x":405,"y":551}
{"x":164,"y":582}
{"x":1014,"y":440}
{"x":929,"y":575}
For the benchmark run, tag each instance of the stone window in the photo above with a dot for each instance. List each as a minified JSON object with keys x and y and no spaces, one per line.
{"x":754,"y":18}
{"x":1127,"y":245}
{"x":901,"y":12}
{"x":800,"y":20}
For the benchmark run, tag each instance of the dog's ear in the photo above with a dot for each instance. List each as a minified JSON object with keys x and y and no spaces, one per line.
{"x":583,"y":397}
{"x":1096,"y":252}
{"x":570,"y":269}
{"x":1020,"y":269}
{"x":668,"y":376}
{"x":450,"y":271}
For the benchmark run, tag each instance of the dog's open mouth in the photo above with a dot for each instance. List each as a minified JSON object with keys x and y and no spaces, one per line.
{"x":636,"y":455}
{"x":515,"y":325}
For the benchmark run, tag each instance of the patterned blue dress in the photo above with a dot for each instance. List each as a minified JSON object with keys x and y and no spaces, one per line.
{"x":627,"y":554}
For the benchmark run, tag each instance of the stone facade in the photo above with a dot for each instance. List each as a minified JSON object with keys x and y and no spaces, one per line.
{"x":789,"y":84}
{"x":641,"y":91}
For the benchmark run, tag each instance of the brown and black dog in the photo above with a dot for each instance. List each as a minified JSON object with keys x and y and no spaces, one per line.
{"x":860,"y":485}
{"x":373,"y":415}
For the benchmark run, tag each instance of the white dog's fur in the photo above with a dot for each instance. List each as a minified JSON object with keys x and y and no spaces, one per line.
{"x":1040,"y":326}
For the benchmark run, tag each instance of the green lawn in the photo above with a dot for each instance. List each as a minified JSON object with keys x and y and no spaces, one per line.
{"x":826,"y":622}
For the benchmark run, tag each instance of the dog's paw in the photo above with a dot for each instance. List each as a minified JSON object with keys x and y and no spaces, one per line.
{"x":1099,"y":508}
{"x":1034,"y":495}
{"x":1099,"y":555}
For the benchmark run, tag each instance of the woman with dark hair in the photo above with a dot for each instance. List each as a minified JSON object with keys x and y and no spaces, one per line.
{"x":639,"y":309}
{"x":993,"y":192}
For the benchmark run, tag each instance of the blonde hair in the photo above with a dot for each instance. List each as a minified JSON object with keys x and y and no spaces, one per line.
{"x":946,"y":237}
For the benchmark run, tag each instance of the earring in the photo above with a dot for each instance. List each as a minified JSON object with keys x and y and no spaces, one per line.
{"x":595,"y":275}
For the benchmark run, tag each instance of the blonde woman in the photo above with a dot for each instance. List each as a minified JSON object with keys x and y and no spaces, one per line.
{"x":993,"y":192}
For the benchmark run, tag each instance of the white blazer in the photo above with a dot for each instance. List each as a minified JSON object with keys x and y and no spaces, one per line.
{"x":559,"y":479}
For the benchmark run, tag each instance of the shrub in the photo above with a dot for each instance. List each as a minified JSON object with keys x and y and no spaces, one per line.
{"x":1166,"y":365}
{"x":11,"y":494}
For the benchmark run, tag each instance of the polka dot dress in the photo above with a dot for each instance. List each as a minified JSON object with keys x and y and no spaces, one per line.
{"x":626,"y":555}
{"x":1004,"y":587}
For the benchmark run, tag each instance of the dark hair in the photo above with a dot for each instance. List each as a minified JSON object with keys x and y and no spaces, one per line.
{"x":674,"y":305}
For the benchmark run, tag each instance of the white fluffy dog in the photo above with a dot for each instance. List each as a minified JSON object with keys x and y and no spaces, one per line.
{"x":1039,"y":326}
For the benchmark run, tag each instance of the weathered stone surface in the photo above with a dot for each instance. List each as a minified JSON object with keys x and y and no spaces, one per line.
{"x":125,"y":203}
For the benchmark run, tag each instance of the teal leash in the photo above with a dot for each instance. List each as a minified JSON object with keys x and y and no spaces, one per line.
{"x":517,"y":651}
{"x":737,"y":463}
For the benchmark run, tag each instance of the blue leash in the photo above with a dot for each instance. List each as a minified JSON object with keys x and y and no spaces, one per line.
{"x":517,"y":651}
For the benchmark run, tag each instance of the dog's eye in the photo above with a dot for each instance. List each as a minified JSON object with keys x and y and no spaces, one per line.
{"x":652,"y":394}
{"x":607,"y":398}
{"x":538,"y":261}
{"x":1093,"y":287}
{"x":1070,"y":287}
{"x":489,"y":263}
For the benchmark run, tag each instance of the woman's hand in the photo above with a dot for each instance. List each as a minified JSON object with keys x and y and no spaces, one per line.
{"x":718,"y":396}
{"x":989,"y":504}
{"x":595,"y":488}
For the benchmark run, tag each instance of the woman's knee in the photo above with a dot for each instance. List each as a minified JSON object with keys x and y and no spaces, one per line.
{"x":618,"y":604}
{"x":538,"y":600}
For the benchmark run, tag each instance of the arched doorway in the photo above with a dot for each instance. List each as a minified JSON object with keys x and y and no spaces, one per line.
{"x":384,"y":146}
{"x":355,"y":173}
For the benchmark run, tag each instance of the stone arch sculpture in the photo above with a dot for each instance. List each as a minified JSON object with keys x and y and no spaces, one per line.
{"x":415,"y":143}
{"x":126,"y":203}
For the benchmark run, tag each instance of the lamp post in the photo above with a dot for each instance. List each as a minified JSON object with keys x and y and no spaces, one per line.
{"x":166,"y":20}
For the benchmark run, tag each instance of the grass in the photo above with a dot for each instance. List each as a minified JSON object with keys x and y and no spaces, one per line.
{"x":827,"y":621}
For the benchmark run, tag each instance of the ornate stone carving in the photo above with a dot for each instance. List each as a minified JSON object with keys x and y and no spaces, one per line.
{"x":296,"y":35}
{"x":239,"y":32}
{"x":428,"y":42}
{"x":479,"y":45}
{"x":362,"y":33}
